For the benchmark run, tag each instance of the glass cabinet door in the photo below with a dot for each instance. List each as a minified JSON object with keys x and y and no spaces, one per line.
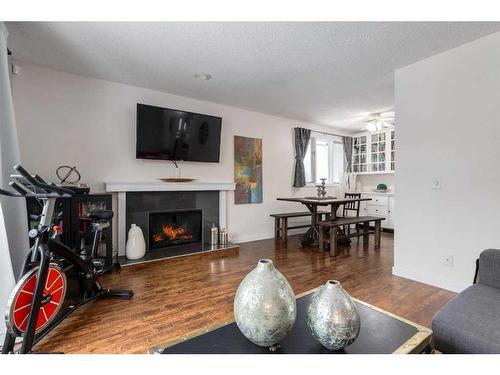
{"x":374,"y":152}
{"x":360,"y":154}
{"x":377,"y":155}
{"x":393,"y":151}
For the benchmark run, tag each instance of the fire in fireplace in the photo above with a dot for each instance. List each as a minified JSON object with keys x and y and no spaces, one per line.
{"x":171,"y":228}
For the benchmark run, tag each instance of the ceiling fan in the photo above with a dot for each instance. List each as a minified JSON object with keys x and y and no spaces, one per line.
{"x":379,"y":121}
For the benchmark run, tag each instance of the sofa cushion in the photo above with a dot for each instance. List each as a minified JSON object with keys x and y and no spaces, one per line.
{"x":469,"y":323}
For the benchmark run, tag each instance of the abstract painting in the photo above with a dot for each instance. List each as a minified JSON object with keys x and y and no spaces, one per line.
{"x":247,"y":170}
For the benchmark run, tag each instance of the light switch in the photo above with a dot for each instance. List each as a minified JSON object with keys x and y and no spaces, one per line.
{"x":436,"y":183}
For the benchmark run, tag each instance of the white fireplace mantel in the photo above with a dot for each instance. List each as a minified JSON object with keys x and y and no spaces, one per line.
{"x":117,"y":187}
{"x":122,"y":188}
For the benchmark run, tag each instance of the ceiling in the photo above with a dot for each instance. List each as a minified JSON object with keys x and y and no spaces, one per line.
{"x":329,"y":73}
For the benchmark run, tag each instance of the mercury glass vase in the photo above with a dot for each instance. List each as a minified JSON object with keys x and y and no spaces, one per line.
{"x":332,"y":316}
{"x":264,"y":305}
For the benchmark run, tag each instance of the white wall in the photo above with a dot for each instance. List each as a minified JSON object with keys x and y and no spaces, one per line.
{"x":448,"y":126}
{"x":75,"y":120}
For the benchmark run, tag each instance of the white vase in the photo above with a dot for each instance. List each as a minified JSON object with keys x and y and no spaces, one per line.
{"x":136,"y":246}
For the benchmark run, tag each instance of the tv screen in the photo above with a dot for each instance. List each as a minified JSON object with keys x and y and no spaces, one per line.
{"x":170,"y":134}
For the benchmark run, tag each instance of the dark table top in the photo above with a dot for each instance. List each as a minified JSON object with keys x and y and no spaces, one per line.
{"x":325,"y":201}
{"x":381,"y":332}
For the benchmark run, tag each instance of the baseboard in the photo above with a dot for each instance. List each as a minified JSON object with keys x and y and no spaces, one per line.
{"x":454,"y":286}
{"x":262,"y":236}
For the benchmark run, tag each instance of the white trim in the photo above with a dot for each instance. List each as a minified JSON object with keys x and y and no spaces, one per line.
{"x":454,"y":286}
{"x":167,"y":186}
{"x":122,"y":222}
{"x":222,"y":209}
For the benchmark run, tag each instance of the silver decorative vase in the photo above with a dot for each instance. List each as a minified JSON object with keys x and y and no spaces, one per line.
{"x":332,"y":316}
{"x":264,"y":305}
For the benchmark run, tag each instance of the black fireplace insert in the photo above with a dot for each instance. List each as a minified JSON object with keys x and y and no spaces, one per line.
{"x":173,"y":228}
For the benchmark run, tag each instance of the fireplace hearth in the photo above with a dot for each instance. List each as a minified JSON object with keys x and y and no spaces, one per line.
{"x":174,"y":228}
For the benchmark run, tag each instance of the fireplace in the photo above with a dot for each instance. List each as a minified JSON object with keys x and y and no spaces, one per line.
{"x":174,"y":228}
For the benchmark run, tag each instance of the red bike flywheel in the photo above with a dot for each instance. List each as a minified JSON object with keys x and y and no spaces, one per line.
{"x":19,"y":304}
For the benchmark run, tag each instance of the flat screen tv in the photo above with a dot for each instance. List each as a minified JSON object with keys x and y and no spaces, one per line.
{"x":169,"y":134}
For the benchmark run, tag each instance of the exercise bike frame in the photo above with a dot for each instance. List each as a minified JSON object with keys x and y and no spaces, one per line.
{"x":43,"y":251}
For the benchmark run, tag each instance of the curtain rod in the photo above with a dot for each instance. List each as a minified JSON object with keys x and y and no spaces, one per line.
{"x":325,"y":133}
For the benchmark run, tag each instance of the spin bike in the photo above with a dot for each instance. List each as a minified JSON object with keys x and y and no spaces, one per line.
{"x":55,"y":279}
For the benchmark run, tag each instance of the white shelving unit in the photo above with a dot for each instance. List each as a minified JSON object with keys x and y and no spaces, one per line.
{"x":374,"y":153}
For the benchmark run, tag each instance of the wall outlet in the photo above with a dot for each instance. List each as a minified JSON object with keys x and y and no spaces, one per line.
{"x":436,"y":183}
{"x":448,"y":260}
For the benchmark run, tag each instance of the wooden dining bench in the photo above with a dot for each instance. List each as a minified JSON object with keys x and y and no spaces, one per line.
{"x":281,"y":226}
{"x":328,"y":231}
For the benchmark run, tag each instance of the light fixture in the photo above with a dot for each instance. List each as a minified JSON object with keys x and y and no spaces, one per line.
{"x":203,"y":76}
{"x":377,"y":123}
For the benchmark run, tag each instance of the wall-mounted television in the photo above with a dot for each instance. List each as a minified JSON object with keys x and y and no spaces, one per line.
{"x":170,"y":134}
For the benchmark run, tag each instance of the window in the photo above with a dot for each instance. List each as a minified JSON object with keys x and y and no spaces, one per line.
{"x":324,"y":159}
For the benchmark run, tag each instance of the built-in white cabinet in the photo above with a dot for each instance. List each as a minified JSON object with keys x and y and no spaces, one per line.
{"x":374,"y":152}
{"x":380,"y":205}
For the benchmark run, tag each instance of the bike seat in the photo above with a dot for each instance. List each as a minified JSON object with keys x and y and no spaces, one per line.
{"x":100,"y":215}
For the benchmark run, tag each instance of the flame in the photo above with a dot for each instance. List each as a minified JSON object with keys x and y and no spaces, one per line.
{"x":172,"y":233}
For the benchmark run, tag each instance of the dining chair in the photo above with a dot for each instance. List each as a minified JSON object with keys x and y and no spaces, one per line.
{"x":351,"y":207}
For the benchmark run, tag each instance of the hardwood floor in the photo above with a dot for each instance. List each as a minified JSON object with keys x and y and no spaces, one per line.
{"x":174,"y":297}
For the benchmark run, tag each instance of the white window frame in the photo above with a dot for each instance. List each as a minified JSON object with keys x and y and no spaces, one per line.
{"x":331,"y":139}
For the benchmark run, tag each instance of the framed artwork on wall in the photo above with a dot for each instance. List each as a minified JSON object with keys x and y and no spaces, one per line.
{"x":247,"y":170}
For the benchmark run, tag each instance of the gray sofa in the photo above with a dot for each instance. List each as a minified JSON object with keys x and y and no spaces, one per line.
{"x":470,"y":322}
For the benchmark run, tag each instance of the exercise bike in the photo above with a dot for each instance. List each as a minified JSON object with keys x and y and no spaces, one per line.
{"x":55,"y":279}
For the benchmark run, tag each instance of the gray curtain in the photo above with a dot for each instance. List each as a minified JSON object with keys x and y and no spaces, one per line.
{"x":302,"y":137}
{"x":347,"y":141}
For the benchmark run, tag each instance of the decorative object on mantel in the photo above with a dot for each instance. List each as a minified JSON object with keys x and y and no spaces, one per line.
{"x":214,"y":235}
{"x":264,"y":306}
{"x":332,"y":316}
{"x":176,"y":179}
{"x":321,"y":189}
{"x":136,"y":246}
{"x":247,"y":170}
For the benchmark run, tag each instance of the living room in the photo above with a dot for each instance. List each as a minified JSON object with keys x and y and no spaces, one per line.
{"x":250,"y":187}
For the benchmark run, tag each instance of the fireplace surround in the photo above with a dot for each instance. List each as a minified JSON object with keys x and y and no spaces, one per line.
{"x":138,"y":202}
{"x":145,"y":208}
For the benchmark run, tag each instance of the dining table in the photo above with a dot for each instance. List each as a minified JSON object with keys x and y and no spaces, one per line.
{"x":313,"y":203}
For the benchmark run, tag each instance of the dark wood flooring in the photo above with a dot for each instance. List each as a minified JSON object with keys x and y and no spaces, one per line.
{"x":177,"y":296}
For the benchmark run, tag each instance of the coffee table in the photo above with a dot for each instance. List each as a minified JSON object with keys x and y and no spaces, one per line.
{"x":381,"y":333}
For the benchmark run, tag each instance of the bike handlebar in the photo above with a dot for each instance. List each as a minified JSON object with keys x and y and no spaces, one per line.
{"x":37,"y":182}
{"x":48,"y":190}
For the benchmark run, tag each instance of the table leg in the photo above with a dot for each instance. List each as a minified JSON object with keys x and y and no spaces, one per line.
{"x":314,"y":221}
{"x":334,"y":208}
{"x":312,"y":234}
{"x":366,"y":229}
{"x":277,"y":228}
{"x":321,"y":239}
{"x":377,"y":233}
{"x":284,"y":228}
{"x":333,"y":241}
